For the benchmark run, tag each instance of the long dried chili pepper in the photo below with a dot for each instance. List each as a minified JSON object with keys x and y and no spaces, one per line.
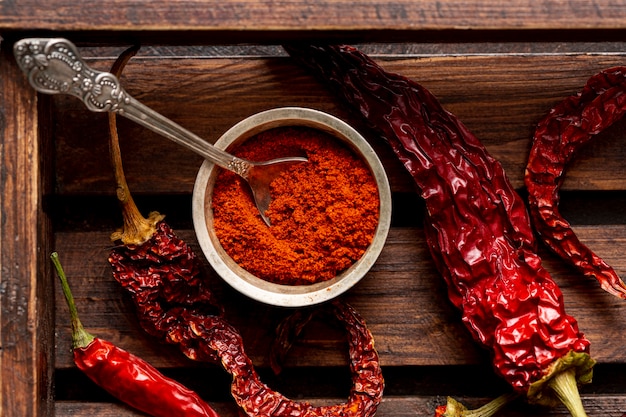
{"x":570,"y":125}
{"x":477,"y":228}
{"x":162,"y":275}
{"x":153,"y":264}
{"x":203,"y":336}
{"x":127,"y":377}
{"x":207,"y":336}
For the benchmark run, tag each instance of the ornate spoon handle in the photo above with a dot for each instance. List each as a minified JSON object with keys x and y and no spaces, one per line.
{"x":54,"y":66}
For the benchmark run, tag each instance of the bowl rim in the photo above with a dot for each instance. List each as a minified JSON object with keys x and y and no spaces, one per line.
{"x":255,"y":287}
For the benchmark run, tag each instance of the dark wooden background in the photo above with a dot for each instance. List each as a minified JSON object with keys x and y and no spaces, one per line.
{"x":498,"y":66}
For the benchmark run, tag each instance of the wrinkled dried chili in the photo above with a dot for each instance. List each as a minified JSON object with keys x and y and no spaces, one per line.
{"x":174,"y":303}
{"x":570,"y":125}
{"x":477,"y":227}
{"x":323,"y":213}
{"x":208,"y":336}
{"x":153,"y":264}
{"x":127,"y":377}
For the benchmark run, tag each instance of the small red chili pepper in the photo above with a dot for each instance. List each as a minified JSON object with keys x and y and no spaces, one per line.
{"x":570,"y":125}
{"x":477,"y":228}
{"x":127,"y":377}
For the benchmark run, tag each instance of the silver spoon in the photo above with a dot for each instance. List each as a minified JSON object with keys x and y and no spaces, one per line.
{"x":54,"y":66}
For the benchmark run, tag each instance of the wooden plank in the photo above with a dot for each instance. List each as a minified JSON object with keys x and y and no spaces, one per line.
{"x":403,"y":300}
{"x":418,"y":405}
{"x":500,"y":97}
{"x":256,"y":20}
{"x":26,"y":313}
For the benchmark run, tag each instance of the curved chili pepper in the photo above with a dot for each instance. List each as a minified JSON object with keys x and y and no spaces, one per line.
{"x":203,"y":336}
{"x":570,"y":125}
{"x":127,"y":377}
{"x":477,"y":227}
{"x":174,"y":303}
{"x":211,"y":335}
{"x":153,"y":264}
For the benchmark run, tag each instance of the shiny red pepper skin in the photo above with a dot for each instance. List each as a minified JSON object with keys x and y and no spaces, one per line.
{"x":127,"y":377}
{"x":137,"y":383}
{"x":569,"y":126}
{"x":477,"y":226}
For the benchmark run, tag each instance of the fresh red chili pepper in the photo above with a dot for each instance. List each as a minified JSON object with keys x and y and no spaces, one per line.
{"x":477,"y":227}
{"x":127,"y":377}
{"x":570,"y":125}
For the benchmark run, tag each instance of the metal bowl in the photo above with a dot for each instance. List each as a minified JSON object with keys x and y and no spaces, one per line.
{"x":260,"y":289}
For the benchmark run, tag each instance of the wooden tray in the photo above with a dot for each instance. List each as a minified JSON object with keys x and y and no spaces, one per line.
{"x":208,"y":65}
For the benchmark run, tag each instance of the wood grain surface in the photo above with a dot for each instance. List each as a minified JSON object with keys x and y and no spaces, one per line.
{"x":218,"y":22}
{"x":498,"y":66}
{"x":500,"y":98}
{"x":27,"y":326}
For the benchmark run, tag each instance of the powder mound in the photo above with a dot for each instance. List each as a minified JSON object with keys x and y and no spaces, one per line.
{"x":324,"y":212}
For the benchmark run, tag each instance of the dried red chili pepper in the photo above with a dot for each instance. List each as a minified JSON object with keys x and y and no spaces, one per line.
{"x":209,"y":335}
{"x":570,"y":125}
{"x":477,"y":227}
{"x":173,"y":302}
{"x":127,"y":377}
{"x":155,"y":266}
{"x":203,"y":336}
{"x":206,"y":337}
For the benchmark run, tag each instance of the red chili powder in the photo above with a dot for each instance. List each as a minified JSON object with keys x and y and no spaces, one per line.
{"x":323,"y":213}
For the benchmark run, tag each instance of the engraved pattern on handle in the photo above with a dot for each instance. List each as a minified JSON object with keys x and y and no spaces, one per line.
{"x":54,"y":66}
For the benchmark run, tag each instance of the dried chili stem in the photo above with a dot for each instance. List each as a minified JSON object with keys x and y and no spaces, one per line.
{"x":492,"y":407}
{"x":80,"y":337}
{"x":566,"y":389}
{"x":455,"y":409}
{"x":137,"y":229}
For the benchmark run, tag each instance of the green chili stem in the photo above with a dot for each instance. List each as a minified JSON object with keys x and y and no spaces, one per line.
{"x":564,"y":385}
{"x":80,"y":337}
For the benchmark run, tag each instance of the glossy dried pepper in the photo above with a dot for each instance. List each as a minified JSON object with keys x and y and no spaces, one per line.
{"x":175,"y":304}
{"x":569,"y":126}
{"x":477,"y":227}
{"x":127,"y":377}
